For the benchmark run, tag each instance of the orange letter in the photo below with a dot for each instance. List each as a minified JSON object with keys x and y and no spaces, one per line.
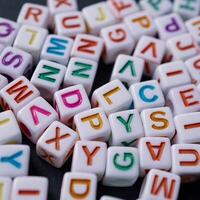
{"x":34,"y":12}
{"x":86,"y":47}
{"x":185,"y":98}
{"x":143,"y":21}
{"x":67,"y":25}
{"x":118,"y":36}
{"x":90,"y":155}
{"x":120,"y":5}
{"x":152,"y":45}
{"x":193,"y":152}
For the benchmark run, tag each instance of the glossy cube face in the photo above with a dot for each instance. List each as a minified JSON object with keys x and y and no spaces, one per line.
{"x":56,"y":144}
{"x":118,"y":173}
{"x":73,"y":184}
{"x":30,"y":187}
{"x":6,"y":184}
{"x":3,"y":81}
{"x":57,"y":49}
{"x":14,"y":160}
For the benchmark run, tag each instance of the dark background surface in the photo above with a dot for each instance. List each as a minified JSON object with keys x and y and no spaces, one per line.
{"x":10,"y":9}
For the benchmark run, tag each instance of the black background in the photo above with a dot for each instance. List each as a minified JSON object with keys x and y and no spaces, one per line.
{"x":10,"y":9}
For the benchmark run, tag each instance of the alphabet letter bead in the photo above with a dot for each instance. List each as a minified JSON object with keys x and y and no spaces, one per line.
{"x":122,"y":167}
{"x":112,"y":97}
{"x":56,"y":144}
{"x":70,"y":101}
{"x":6,"y":188}
{"x":126,"y":128}
{"x":117,"y":39}
{"x":14,"y":160}
{"x":92,"y":125}
{"x":160,"y":185}
{"x":32,"y":187}
{"x":35,"y":117}
{"x":48,"y":77}
{"x":147,"y":94}
{"x":79,"y":186}
{"x":90,"y":157}
{"x":17,"y":94}
{"x":128,"y":69}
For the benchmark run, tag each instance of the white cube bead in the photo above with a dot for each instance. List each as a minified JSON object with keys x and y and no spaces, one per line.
{"x":6,"y":188}
{"x":48,"y":77}
{"x":154,"y":153}
{"x":8,"y":31}
{"x":147,"y":94}
{"x":56,"y":144}
{"x":152,"y":50}
{"x":140,"y":23}
{"x":34,"y":14}
{"x":3,"y":81}
{"x":98,"y":16}
{"x":57,"y":48}
{"x":117,"y":39}
{"x":122,"y":167}
{"x":170,"y":26}
{"x":14,"y":160}
{"x":92,"y":125}
{"x":70,"y":101}
{"x":172,"y":74}
{"x":128,"y":69}
{"x":112,"y":97}
{"x":160,"y":185}
{"x":90,"y":157}
{"x":17,"y":94}
{"x":184,"y":99}
{"x":15,"y":62}
{"x":158,"y":122}
{"x":109,"y":198}
{"x":122,"y":8}
{"x":126,"y":128}
{"x":2,"y":46}
{"x":70,"y":24}
{"x":32,"y":187}
{"x":79,"y":186}
{"x":10,"y":131}
{"x":31,"y":39}
{"x":81,"y":71}
{"x":35,"y":117}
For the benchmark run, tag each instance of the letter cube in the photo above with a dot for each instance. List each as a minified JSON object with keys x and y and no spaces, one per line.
{"x":147,"y":94}
{"x":88,"y":47}
{"x":56,"y":144}
{"x":154,"y":153}
{"x":81,"y":71}
{"x":3,"y":81}
{"x":78,"y":185}
{"x":34,"y":14}
{"x":57,"y":48}
{"x":17,"y":94}
{"x":169,"y":26}
{"x":70,"y":101}
{"x":172,"y":74}
{"x":109,"y":198}
{"x":128,"y":69}
{"x":158,"y":122}
{"x":98,"y":16}
{"x":35,"y":117}
{"x":186,"y":8}
{"x":92,"y":125}
{"x":184,"y":99}
{"x":122,"y":8}
{"x":122,"y":167}
{"x":48,"y":77}
{"x":126,"y":128}
{"x":140,"y":23}
{"x":112,"y":97}
{"x":32,"y":187}
{"x":6,"y":188}
{"x":2,"y":46}
{"x":31,"y":39}
{"x":70,"y":24}
{"x":15,"y":62}
{"x":10,"y":132}
{"x":152,"y":50}
{"x":14,"y":160}
{"x":187,"y":128}
{"x":183,"y":47}
{"x":8,"y":31}
{"x":117,"y":39}
{"x":90,"y":157}
{"x":186,"y":161}
{"x":160,"y":185}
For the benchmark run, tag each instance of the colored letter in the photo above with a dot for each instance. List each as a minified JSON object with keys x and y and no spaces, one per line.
{"x":118,"y":35}
{"x":86,"y":48}
{"x":127,"y":123}
{"x":33,"y":36}
{"x":8,"y":29}
{"x":192,"y":153}
{"x":33,"y":12}
{"x":90,"y":155}
{"x":155,"y":4}
{"x":16,"y":60}
{"x":70,"y":25}
{"x":159,"y":120}
{"x":156,"y":156}
{"x":130,"y":65}
{"x":188,"y":5}
{"x":144,"y":21}
{"x":62,"y":2}
{"x":173,"y":26}
{"x":110,"y":93}
{"x":120,"y":5}
{"x":102,"y":15}
{"x":151,"y":46}
{"x":145,"y":98}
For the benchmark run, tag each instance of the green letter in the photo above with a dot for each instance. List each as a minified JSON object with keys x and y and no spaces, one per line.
{"x":126,"y":123}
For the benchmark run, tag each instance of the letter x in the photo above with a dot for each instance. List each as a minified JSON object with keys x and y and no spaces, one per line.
{"x":60,"y":2}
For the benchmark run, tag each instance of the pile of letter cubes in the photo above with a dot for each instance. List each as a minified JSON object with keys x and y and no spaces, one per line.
{"x":123,"y":130}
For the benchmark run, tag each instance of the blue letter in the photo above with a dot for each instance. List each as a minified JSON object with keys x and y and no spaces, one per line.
{"x":142,"y":94}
